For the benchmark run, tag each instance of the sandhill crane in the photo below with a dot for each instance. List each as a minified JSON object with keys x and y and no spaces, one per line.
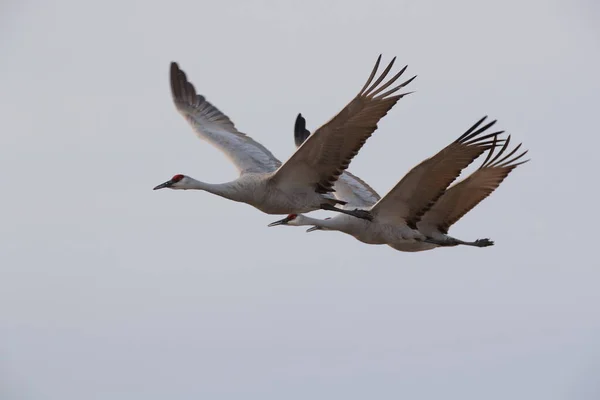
{"x":417,"y":213}
{"x":303,"y":183}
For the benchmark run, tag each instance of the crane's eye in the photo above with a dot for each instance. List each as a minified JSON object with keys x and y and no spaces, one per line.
{"x":177,"y":178}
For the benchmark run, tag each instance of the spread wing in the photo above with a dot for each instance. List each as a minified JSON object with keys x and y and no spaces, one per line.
{"x":321,"y":159}
{"x":216,"y":128}
{"x":355,"y":192}
{"x":349,"y":188}
{"x":423,"y":185}
{"x":460,"y":198}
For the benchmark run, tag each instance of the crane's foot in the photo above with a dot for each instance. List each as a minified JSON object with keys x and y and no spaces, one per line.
{"x":483,"y":243}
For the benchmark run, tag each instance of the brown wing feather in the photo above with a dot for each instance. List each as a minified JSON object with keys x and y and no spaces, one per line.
{"x":423,"y":185}
{"x":321,"y":159}
{"x":465,"y":195}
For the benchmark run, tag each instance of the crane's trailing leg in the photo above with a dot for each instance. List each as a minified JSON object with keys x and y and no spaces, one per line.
{"x":363,"y":214}
{"x":449,"y":242}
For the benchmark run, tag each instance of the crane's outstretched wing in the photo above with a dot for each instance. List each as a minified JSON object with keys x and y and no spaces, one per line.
{"x":355,"y":192}
{"x":216,"y":128}
{"x":349,"y":187}
{"x":423,"y":185}
{"x":460,"y":198}
{"x":321,"y":159}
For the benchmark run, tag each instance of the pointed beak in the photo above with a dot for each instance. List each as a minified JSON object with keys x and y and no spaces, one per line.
{"x":312,"y":229}
{"x":280,"y":222}
{"x":164,"y":185}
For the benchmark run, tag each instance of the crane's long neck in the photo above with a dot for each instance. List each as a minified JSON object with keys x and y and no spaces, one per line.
{"x":227,"y":190}
{"x":331,"y":224}
{"x":360,"y":229}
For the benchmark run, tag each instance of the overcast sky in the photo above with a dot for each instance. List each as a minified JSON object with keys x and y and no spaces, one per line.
{"x":109,"y":290}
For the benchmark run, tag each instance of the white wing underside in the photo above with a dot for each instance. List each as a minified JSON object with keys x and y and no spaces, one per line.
{"x":355,"y":191}
{"x":248,"y":155}
{"x":211,"y":125}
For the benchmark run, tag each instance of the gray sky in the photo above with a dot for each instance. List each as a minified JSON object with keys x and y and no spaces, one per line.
{"x":109,"y":290}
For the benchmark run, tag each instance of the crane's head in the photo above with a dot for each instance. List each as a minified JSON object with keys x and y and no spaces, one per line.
{"x":177,"y":182}
{"x":292,"y":219}
{"x":298,"y":220}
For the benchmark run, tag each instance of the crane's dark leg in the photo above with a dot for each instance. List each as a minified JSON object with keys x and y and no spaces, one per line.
{"x":450,"y":241}
{"x":363,"y":214}
{"x":441,"y":243}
